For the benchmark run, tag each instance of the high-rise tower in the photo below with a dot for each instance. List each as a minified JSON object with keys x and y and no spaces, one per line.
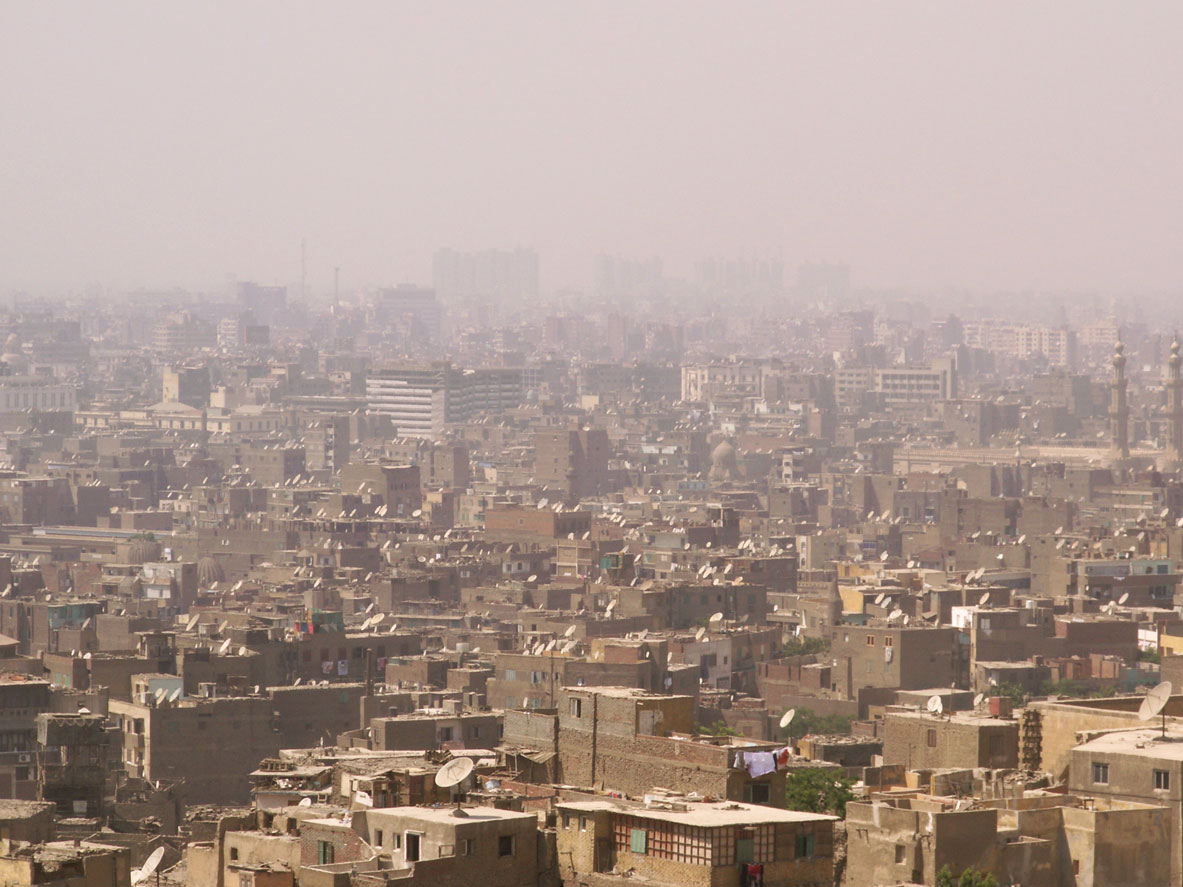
{"x":1119,"y":408}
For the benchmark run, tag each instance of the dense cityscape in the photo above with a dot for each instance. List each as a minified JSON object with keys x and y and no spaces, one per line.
{"x":864,"y":593}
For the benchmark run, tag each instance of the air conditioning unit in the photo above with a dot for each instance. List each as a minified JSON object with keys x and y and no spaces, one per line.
{"x":24,"y":759}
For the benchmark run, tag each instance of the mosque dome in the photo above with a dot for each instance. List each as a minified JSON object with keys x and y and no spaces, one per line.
{"x":209,"y":571}
{"x":724,"y":466}
{"x":143,"y":551}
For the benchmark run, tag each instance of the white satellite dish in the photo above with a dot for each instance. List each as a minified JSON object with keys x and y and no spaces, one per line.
{"x":1155,"y":702}
{"x":305,"y":802}
{"x":242,"y":651}
{"x":418,"y":512}
{"x":716,"y":620}
{"x":225,"y":646}
{"x":571,"y":629}
{"x":984,"y":599}
{"x":532,"y":578}
{"x":979,"y":699}
{"x":1022,"y":539}
{"x":160,"y":691}
{"x":935,"y":705}
{"x":879,"y":599}
{"x":452,"y":774}
{"x":787,"y":717}
{"x":698,"y":635}
{"x":1125,"y":597}
{"x":140,"y":875}
{"x":174,"y":695}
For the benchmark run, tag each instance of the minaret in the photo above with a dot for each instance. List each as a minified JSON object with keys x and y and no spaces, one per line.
{"x":1174,"y":391}
{"x":1119,"y":408}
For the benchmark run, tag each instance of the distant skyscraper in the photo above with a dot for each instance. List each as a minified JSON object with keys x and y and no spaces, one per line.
{"x":417,"y":306}
{"x":823,"y":280}
{"x":491,"y":274}
{"x":622,"y":276}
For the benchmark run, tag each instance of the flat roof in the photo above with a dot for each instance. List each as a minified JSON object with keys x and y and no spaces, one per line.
{"x":722,"y":813}
{"x":447,"y":814}
{"x":1148,"y":743}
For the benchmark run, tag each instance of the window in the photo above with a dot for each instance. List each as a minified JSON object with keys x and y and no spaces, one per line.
{"x":1101,"y":774}
{"x":566,"y":820}
{"x":1162,"y":780}
{"x":870,"y":640}
{"x":583,"y":823}
{"x":233,"y":853}
{"x":324,"y":853}
{"x":413,"y":846}
{"x":466,"y":847}
{"x":887,"y":641}
{"x":932,"y":738}
{"x":901,"y":853}
{"x":378,"y":837}
{"x":757,"y":793}
{"x":505,"y":845}
{"x":637,"y":840}
{"x":804,"y":847}
{"x":576,"y":707}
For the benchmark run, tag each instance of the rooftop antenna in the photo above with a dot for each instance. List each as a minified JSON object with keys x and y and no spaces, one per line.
{"x":1156,"y":703}
{"x":451,"y":775}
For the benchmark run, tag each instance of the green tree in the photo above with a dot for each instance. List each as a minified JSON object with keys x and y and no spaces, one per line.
{"x":1012,"y":691}
{"x":719,"y":728}
{"x":818,"y":790}
{"x":808,"y":721}
{"x":1150,"y":656}
{"x":969,"y":878}
{"x":805,"y":646}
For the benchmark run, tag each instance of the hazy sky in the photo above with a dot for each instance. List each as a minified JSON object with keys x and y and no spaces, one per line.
{"x":984,"y":144}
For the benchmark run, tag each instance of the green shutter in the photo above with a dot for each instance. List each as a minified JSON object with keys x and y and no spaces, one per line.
{"x":745,"y":850}
{"x":637,"y":840}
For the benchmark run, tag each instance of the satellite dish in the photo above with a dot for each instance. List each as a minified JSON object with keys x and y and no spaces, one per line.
{"x":192,"y":623}
{"x":716,"y":619}
{"x":1155,"y":702}
{"x":1022,"y":538}
{"x":935,"y":705}
{"x":979,"y":699}
{"x":984,"y":599}
{"x":879,"y":599}
{"x":140,"y":875}
{"x":787,"y":717}
{"x":242,"y":651}
{"x":225,"y":646}
{"x":305,"y":802}
{"x":452,"y":774}
{"x":698,"y":635}
{"x":1125,"y":597}
{"x":417,"y":512}
{"x":571,"y":629}
{"x":160,"y":691}
{"x":894,"y":615}
{"x":532,"y":578}
{"x":296,"y":682}
{"x":884,"y":556}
